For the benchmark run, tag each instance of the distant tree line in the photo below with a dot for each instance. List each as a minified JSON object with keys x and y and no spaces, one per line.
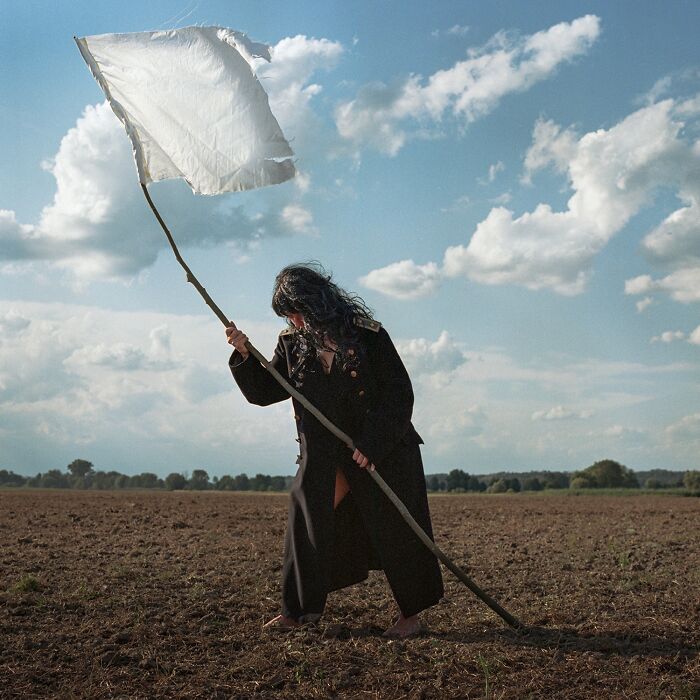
{"x":80,"y":474}
{"x":459,"y":481}
{"x":606,"y":474}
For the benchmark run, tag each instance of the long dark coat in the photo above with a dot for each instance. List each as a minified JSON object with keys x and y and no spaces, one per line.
{"x":327,"y":549}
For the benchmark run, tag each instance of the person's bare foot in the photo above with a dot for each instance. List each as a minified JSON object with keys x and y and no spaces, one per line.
{"x":281,"y":623}
{"x":404,"y":628}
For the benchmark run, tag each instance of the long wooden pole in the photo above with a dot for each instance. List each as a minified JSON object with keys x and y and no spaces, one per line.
{"x":456,"y":570}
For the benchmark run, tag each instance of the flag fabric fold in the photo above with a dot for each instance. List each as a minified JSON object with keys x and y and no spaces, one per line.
{"x":192,"y":106}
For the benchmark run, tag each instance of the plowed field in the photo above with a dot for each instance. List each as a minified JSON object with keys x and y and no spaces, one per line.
{"x":162,"y":595}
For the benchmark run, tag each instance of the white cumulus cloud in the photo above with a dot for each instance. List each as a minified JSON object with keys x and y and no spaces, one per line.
{"x":298,"y":218}
{"x":18,"y":241}
{"x":682,"y":285}
{"x":551,"y":145}
{"x":613,"y":173}
{"x":404,"y":279}
{"x":675,"y":244}
{"x":424,"y":356}
{"x":383,"y":116}
{"x":644,"y":304}
{"x":668,"y":337}
{"x":677,"y":238}
{"x":494,"y":169}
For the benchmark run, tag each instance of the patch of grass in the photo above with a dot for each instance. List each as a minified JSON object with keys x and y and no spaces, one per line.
{"x":487,"y":670}
{"x":125,"y":573}
{"x":28,"y":584}
{"x":165,"y":575}
{"x":620,"y":492}
{"x":86,"y":593}
{"x":197,"y":590}
{"x":301,"y":671}
{"x":671,"y":491}
{"x":623,"y":560}
{"x":638,"y":583}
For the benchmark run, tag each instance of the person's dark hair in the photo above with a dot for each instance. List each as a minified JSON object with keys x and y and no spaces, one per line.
{"x":328,"y":310}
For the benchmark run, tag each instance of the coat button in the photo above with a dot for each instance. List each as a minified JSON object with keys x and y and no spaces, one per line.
{"x":361,"y":393}
{"x":353,"y":374}
{"x":351,"y":352}
{"x":297,"y":418}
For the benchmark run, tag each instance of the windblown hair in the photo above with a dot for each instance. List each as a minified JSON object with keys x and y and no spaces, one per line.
{"x":328,"y":311}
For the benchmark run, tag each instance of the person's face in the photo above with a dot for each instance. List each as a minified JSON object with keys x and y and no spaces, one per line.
{"x":297,"y":320}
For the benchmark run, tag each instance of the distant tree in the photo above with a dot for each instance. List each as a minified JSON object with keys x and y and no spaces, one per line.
{"x":555,"y":480}
{"x":260,"y":482}
{"x":111,"y":479}
{"x":199,"y":481}
{"x":513,"y":484}
{"x":175,"y":482}
{"x":80,"y":482}
{"x":433,"y":483}
{"x":652,"y":484}
{"x":100,"y":481}
{"x":225,"y":483}
{"x":457,"y":479}
{"x":691,"y":480}
{"x":146,"y":480}
{"x":498,"y":486}
{"x":122,"y":481}
{"x":79,"y":467}
{"x":475,"y":484}
{"x":241,"y":482}
{"x":532,"y":484}
{"x":54,"y":479}
{"x":666,"y":477}
{"x":8,"y":478}
{"x":278,"y":483}
{"x":607,"y":474}
{"x":582,"y":482}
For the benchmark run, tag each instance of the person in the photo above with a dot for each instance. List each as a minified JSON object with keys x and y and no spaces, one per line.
{"x":340,"y":524}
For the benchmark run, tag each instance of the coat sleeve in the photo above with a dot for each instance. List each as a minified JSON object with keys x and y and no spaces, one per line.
{"x":255,"y":382}
{"x":389,"y":417}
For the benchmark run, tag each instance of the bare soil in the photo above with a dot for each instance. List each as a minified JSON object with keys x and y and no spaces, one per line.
{"x":162,"y":595}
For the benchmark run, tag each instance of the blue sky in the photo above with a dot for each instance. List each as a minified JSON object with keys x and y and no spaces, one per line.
{"x":512,"y":187}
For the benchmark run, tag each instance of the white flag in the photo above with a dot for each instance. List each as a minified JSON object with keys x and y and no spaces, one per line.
{"x":192,"y":106}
